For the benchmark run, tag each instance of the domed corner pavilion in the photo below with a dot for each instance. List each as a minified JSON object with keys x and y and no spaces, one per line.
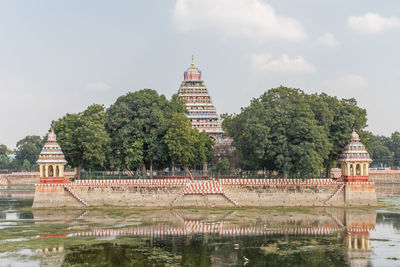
{"x":52,"y":161}
{"x":355,"y":161}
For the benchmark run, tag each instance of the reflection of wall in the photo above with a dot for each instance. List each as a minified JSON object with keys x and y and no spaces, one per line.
{"x":52,"y":256}
{"x":353,"y":225}
{"x":360,"y":194}
{"x":182,"y":222}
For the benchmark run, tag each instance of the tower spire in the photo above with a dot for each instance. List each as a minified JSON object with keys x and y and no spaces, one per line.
{"x":192,"y":60}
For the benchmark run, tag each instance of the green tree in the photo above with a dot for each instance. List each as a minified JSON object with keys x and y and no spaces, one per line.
{"x":26,"y":165}
{"x":29,"y":149}
{"x":181,"y":140}
{"x":378,"y":148}
{"x":223,"y":166}
{"x":394,"y":146}
{"x":280,"y":132}
{"x":346,"y":116}
{"x":204,"y":149}
{"x":186,"y":145}
{"x":137,"y":123}
{"x":4,"y":159}
{"x":83,"y":138}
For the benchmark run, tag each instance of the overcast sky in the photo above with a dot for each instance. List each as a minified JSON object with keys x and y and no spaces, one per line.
{"x":61,"y":56}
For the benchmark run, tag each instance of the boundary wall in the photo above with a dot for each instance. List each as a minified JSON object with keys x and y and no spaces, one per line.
{"x":205,"y":193}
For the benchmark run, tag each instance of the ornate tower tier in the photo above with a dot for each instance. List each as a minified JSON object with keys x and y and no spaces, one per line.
{"x":51,"y":161}
{"x":202,"y":112}
{"x":355,"y":160}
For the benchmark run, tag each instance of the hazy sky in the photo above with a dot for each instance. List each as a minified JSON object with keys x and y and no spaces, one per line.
{"x":61,"y":56}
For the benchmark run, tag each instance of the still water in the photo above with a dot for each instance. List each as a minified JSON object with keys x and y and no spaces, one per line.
{"x":197,"y":237}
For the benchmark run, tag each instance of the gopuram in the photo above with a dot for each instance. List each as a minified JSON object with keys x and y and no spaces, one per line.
{"x":202,"y":112}
{"x":352,"y":189}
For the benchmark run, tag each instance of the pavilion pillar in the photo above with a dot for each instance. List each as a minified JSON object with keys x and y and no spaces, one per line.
{"x":46,"y":171}
{"x":61,"y":170}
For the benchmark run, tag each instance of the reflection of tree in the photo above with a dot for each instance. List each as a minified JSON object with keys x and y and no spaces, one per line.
{"x":215,"y":239}
{"x":209,"y":250}
{"x":138,"y":253}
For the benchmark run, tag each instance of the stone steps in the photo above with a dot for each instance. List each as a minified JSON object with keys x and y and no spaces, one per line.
{"x":76,"y":196}
{"x":204,"y":188}
{"x":231,"y":199}
{"x":335,"y":194}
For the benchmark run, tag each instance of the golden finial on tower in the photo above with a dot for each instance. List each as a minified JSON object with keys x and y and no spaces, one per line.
{"x":192,"y":61}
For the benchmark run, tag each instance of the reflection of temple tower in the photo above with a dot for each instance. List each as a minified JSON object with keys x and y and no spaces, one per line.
{"x":51,"y":161}
{"x":202,"y":112}
{"x":356,"y":238}
{"x":52,"y":256}
{"x":355,"y":160}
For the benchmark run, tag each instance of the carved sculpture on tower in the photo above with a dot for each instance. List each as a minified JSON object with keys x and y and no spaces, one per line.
{"x":52,"y":161}
{"x":355,"y":161}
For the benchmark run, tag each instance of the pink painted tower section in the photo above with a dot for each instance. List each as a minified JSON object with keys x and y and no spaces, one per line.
{"x":202,"y":112}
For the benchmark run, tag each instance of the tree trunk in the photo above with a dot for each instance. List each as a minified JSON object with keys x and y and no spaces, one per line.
{"x":188,"y":172}
{"x":78,"y":171}
{"x":143,"y":170}
{"x":151,"y":169}
{"x":205,"y":169}
{"x":172,"y":169}
{"x":328,"y":170}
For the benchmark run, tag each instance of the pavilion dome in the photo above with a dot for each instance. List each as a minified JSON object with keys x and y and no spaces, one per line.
{"x":355,"y":151}
{"x":192,"y":73}
{"x":51,"y":152}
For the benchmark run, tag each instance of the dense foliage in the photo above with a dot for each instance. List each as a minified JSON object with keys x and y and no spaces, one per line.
{"x":4,"y":157}
{"x":293,"y":133}
{"x":384,"y":151}
{"x":187,"y":146}
{"x":284,"y":130}
{"x":83,"y":138}
{"x":143,"y":125}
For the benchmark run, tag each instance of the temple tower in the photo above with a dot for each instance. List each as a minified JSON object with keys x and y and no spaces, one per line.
{"x":51,"y":161}
{"x":202,"y":112}
{"x":355,"y":161}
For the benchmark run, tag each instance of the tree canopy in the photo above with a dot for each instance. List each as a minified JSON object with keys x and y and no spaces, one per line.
{"x":4,"y":159}
{"x":293,"y":133}
{"x":186,"y":145}
{"x":83,"y":137}
{"x":28,"y":150}
{"x":384,"y":150}
{"x":137,"y":123}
